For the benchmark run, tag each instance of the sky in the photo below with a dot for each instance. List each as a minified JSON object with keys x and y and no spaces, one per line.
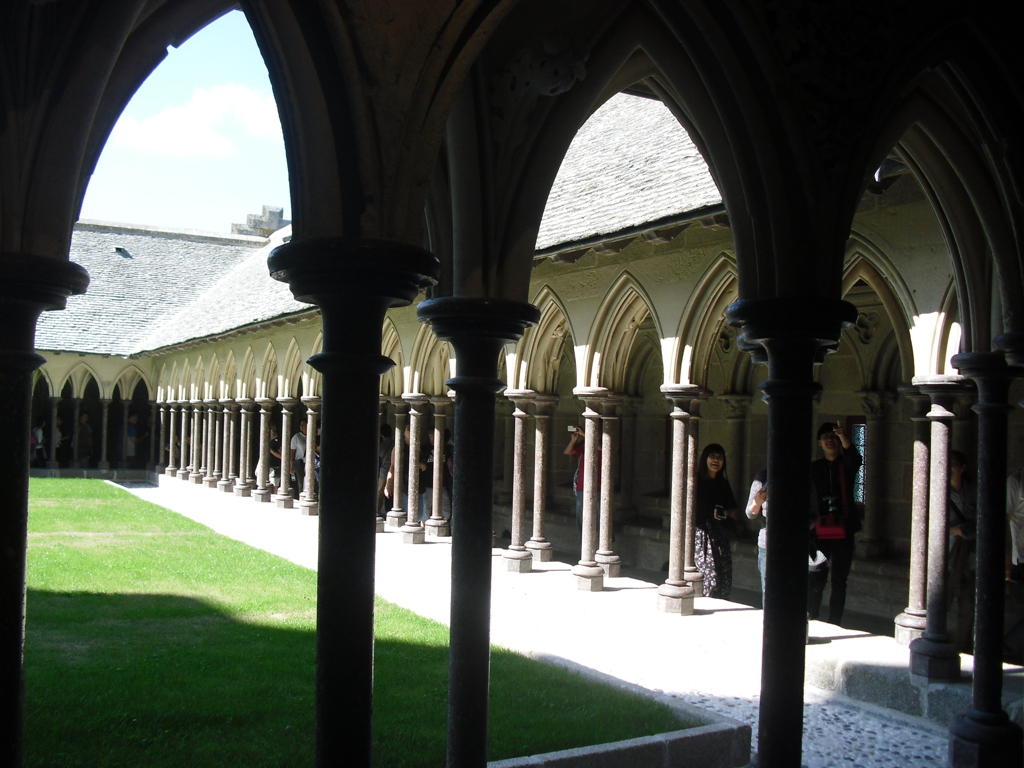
{"x":199,"y":146}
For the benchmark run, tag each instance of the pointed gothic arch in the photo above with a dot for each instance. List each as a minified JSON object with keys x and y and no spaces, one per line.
{"x":625,"y":307}
{"x":703,"y":322}
{"x":290,"y":374}
{"x":539,"y":353}
{"x":228,"y":377}
{"x":266,"y":376}
{"x":392,"y":383}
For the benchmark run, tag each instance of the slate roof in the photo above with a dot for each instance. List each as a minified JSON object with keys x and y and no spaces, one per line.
{"x":130,"y":294}
{"x":630,"y":164}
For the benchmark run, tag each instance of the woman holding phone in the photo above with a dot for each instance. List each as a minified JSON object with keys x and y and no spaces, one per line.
{"x":716,"y":506}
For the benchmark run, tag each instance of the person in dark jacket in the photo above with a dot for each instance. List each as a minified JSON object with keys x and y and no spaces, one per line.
{"x":715,"y":508}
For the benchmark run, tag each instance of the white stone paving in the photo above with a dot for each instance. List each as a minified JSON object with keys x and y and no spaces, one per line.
{"x":711,"y":660}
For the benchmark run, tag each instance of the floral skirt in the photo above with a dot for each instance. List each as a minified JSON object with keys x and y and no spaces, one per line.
{"x":713,"y":557}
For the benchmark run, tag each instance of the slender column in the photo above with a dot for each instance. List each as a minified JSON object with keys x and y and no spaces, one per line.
{"x":911,"y":623}
{"x":52,"y":462}
{"x":261,"y":492}
{"x":172,"y":446}
{"x":690,"y":571}
{"x":477,"y":330}
{"x":197,"y":452}
{"x":507,"y":457}
{"x":284,"y":499}
{"x":229,"y":473}
{"x":412,"y":533}
{"x":217,"y":439}
{"x":186,"y":439}
{"x":30,"y":285}
{"x":677,"y":593}
{"x":437,"y":526}
{"x":517,"y":558}
{"x":544,"y":407}
{"x":875,"y":404}
{"x":788,"y":334}
{"x":104,"y":463}
{"x":382,"y":419}
{"x":354,"y":283}
{"x":605,"y":556}
{"x":396,"y":517}
{"x":933,"y":656}
{"x":212,"y":442}
{"x":158,"y":452}
{"x":155,"y":463}
{"x":983,"y":736}
{"x":242,"y":487}
{"x":589,"y":575}
{"x":123,"y":459}
{"x":307,"y":499}
{"x":75,"y":462}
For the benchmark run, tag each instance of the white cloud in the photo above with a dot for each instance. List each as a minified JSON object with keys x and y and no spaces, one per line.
{"x":205,"y":125}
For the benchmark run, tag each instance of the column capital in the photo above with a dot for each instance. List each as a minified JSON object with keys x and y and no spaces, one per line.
{"x":686,"y":396}
{"x":288,"y":402}
{"x":198,"y":404}
{"x":108,"y":401}
{"x":1012,"y":345}
{"x":544,"y":405}
{"x":229,"y":403}
{"x":520,"y":397}
{"x":246,"y":403}
{"x":416,"y":401}
{"x":210,"y":402}
{"x":440,"y":402}
{"x":312,"y":402}
{"x":401,"y":406}
{"x":266,"y":403}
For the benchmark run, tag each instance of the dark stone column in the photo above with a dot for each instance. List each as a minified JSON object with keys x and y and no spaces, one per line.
{"x":538,"y":545}
{"x":284,"y":499}
{"x":396,"y":516}
{"x":412,"y":533}
{"x":123,"y":458}
{"x":31,"y":284}
{"x":229,"y":473}
{"x":172,"y":445}
{"x":52,"y":463}
{"x":437,"y":526}
{"x":477,"y":329}
{"x":517,"y":558}
{"x":791,"y":334}
{"x":605,"y":556}
{"x":186,"y":439}
{"x":242,"y":486}
{"x":934,"y":656}
{"x":158,"y":453}
{"x":676,"y":594}
{"x":911,"y":623}
{"x":983,"y":736}
{"x":589,"y":575}
{"x":354,"y":283}
{"x":76,"y":428}
{"x":198,"y":452}
{"x":104,"y":463}
{"x":307,"y":499}
{"x":261,"y":492}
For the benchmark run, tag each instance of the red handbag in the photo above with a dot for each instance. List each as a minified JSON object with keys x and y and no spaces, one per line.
{"x":833,"y":526}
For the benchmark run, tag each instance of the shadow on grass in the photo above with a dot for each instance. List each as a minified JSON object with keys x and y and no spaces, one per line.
{"x":166,"y":680}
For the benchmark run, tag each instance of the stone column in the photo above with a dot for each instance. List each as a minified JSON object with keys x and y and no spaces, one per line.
{"x":354,"y":283}
{"x":870,"y":544}
{"x":30,"y":285}
{"x":186,"y":439}
{"x":308,"y":504}
{"x":437,"y":526}
{"x":104,"y":463}
{"x":789,"y":335}
{"x":676,"y":594}
{"x":171,"y":437}
{"x":198,"y":452}
{"x":736,"y":410}
{"x":261,"y":492}
{"x":605,"y":556}
{"x":544,"y":407}
{"x":122,"y":461}
{"x":504,"y":495}
{"x":52,"y":462}
{"x":155,"y":463}
{"x":477,"y":330}
{"x":984,"y":736}
{"x":589,"y":575}
{"x":242,"y":487}
{"x":412,"y":533}
{"x":396,"y":517}
{"x":229,"y":466}
{"x":690,"y":572}
{"x":911,"y":623}
{"x":284,"y":499}
{"x":75,"y":463}
{"x":212,"y":443}
{"x":517,"y":557}
{"x":933,"y":656}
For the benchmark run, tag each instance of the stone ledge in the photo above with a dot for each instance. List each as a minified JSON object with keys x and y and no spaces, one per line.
{"x":717,"y":742}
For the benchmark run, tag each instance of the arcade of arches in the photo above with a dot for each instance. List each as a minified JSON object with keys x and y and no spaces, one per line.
{"x":869,"y":230}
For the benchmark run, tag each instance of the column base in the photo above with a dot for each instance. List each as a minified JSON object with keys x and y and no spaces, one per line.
{"x":541,"y":550}
{"x":169,"y":471}
{"x":610,"y":563}
{"x":518,"y":560}
{"x":283,"y":502}
{"x":312,"y":509}
{"x":979,"y":740}
{"x":242,"y":490}
{"x":437,"y":529}
{"x":869,"y":549}
{"x":210,"y":482}
{"x":225,"y":486}
{"x":412,"y":534}
{"x":696,"y":580}
{"x":909,"y":626}
{"x":380,"y":525}
{"x":261,"y":495}
{"x":396,"y":518}
{"x":934,"y":661}
{"x":195,"y":478}
{"x":103,"y":466}
{"x":677,"y":599}
{"x":589,"y":578}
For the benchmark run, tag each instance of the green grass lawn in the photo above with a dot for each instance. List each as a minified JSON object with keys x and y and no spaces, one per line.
{"x":152,"y":641}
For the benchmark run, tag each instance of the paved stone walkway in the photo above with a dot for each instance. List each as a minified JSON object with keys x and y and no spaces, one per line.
{"x":711,"y":659}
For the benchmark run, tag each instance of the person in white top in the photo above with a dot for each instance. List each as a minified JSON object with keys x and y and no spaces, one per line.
{"x":757,"y":509}
{"x":298,"y":449}
{"x":1015,"y":522}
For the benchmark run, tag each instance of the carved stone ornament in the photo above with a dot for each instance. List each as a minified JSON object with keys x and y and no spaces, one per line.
{"x":727,"y":339}
{"x":867,"y":323}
